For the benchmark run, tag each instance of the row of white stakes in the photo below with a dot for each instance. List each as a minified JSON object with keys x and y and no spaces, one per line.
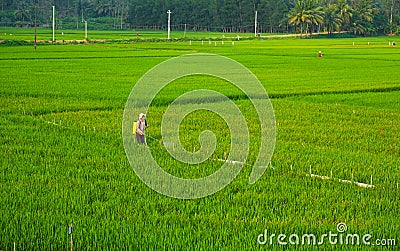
{"x":390,"y":43}
{"x":233,"y":43}
{"x":344,"y":181}
{"x":360,"y":184}
{"x":60,"y":125}
{"x":215,"y":43}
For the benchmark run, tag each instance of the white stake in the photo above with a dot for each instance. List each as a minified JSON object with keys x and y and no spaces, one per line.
{"x":371,"y":180}
{"x":70,"y":233}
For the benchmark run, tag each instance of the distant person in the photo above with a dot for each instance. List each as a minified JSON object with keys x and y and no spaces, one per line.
{"x":141,"y":126}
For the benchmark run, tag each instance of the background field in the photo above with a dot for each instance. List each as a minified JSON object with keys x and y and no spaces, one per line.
{"x":47,"y":34}
{"x":63,"y":160}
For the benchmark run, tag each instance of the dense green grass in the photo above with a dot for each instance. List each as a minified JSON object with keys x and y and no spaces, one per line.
{"x":63,"y":160}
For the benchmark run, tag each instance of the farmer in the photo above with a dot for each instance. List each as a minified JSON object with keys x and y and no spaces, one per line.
{"x":141,"y":125}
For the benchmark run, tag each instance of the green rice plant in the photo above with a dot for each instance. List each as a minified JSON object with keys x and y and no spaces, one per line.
{"x":63,"y":160}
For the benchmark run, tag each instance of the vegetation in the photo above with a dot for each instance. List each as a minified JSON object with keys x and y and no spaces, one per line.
{"x":63,"y":160}
{"x":363,"y":17}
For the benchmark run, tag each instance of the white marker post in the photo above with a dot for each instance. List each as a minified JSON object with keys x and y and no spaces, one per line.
{"x":54,"y":22}
{"x":70,"y":229}
{"x":169,"y":24}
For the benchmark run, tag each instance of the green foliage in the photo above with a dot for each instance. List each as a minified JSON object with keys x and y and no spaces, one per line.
{"x":203,"y":15}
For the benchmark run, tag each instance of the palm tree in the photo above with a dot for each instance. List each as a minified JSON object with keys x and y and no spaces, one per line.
{"x":332,"y":18}
{"x":306,"y":12}
{"x":363,"y":15}
{"x":298,"y":15}
{"x":345,"y":13}
{"x":23,"y":12}
{"x":315,"y":15}
{"x":367,"y":9}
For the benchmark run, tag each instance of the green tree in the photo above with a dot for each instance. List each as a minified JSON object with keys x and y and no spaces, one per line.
{"x":272,"y":15}
{"x":363,"y":15}
{"x":332,"y":20}
{"x":315,"y":15}
{"x":298,"y":15}
{"x":345,"y":13}
{"x":306,"y":12}
{"x":23,"y":13}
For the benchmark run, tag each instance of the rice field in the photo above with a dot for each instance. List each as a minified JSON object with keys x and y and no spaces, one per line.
{"x":63,"y":161}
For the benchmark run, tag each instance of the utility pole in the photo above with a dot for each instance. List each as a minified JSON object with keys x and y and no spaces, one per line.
{"x":54,"y":22}
{"x":391,"y":17}
{"x":169,"y":24}
{"x":34,"y":43}
{"x":86,"y":36}
{"x":255,"y":25}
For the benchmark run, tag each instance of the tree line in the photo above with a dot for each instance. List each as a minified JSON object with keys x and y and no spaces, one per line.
{"x":357,"y":16}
